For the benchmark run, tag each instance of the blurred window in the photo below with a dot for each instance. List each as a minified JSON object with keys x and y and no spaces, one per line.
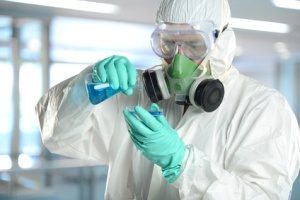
{"x":61,"y":71}
{"x":30,"y":38}
{"x":30,"y":84}
{"x":5,"y":52}
{"x":75,"y":40}
{"x":30,"y":91}
{"x":6,"y":86}
{"x":5,"y":28}
{"x":6,"y":106}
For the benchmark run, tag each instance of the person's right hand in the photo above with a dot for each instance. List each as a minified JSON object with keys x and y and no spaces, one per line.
{"x":118,"y":71}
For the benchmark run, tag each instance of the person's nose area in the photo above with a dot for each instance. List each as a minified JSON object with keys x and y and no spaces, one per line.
{"x":168,"y":60}
{"x":177,"y":50}
{"x":180,"y":49}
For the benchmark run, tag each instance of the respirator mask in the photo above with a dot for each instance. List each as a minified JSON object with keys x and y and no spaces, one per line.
{"x":185,"y":46}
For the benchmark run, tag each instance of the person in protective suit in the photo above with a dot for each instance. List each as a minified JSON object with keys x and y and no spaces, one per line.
{"x":211,"y":133}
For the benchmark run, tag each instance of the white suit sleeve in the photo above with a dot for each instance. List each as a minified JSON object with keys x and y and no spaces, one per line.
{"x":261,"y":161}
{"x":69,"y":123}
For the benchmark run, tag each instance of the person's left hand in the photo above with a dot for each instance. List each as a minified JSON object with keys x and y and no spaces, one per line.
{"x":153,"y":136}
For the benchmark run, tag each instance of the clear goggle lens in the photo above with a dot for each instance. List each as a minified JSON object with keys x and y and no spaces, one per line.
{"x":193,"y":43}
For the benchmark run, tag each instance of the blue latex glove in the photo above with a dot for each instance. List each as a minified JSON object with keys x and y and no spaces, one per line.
{"x":118,"y":71}
{"x":153,"y":136}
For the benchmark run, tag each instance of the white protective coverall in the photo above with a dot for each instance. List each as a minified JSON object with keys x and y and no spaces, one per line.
{"x":246,"y":149}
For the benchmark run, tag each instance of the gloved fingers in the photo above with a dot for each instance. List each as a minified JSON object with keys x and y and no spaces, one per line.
{"x":140,"y":145}
{"x":154,"y":107}
{"x":149,"y":120}
{"x":99,"y":71}
{"x":132,"y":74}
{"x":128,"y":78}
{"x":128,"y":92}
{"x":135,"y":124}
{"x":112,"y":73}
{"x":141,"y":138}
{"x":161,"y":118}
{"x":118,"y":72}
{"x":122,"y":72}
{"x":144,"y":147}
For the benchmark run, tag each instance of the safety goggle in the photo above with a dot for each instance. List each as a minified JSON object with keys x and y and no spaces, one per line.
{"x":194,"y":41}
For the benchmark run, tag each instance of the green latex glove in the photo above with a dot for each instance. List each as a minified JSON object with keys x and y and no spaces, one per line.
{"x":156,"y":140}
{"x":118,"y":71}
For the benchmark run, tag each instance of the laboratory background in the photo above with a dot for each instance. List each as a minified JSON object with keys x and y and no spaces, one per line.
{"x":43,"y":42}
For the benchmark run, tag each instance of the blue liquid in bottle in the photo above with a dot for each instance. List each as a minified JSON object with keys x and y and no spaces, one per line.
{"x":100,"y":92}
